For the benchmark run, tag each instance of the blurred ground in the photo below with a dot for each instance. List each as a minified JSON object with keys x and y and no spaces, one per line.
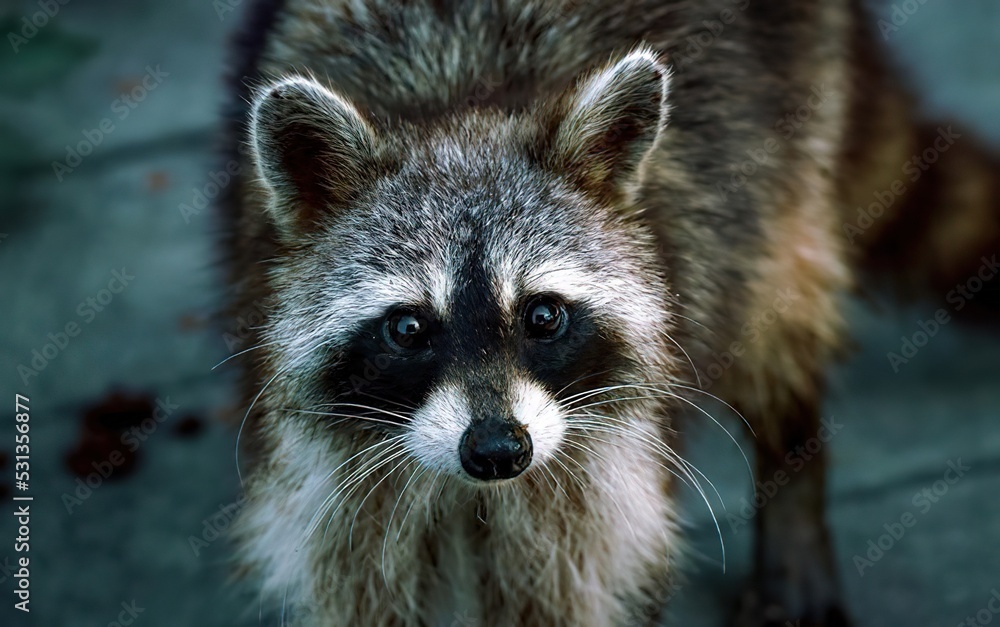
{"x":129,"y":539}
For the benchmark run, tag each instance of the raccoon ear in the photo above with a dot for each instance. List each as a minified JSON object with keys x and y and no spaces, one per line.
{"x":607,"y":123}
{"x":312,"y":148}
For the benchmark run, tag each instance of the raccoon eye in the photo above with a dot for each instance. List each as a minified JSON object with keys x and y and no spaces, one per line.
{"x":545,"y":318}
{"x":407,"y":330}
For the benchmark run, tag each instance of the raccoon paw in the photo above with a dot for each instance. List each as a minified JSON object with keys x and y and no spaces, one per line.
{"x":759,"y":609}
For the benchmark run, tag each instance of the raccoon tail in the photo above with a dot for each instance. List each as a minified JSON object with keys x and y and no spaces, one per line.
{"x":943,"y":229}
{"x":921,"y":201}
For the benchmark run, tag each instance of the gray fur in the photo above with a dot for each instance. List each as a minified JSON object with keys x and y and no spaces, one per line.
{"x":437,"y":153}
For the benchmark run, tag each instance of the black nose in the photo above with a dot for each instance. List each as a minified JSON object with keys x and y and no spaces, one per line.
{"x":495,"y":449}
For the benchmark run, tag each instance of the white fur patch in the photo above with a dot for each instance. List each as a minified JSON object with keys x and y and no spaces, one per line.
{"x":436,"y":430}
{"x":279,"y":524}
{"x":534,"y":408}
{"x":300,"y":331}
{"x":441,"y":284}
{"x":598,"y":86}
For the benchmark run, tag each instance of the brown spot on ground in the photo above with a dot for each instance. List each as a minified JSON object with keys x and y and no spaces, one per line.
{"x":157,"y":181}
{"x":189,"y":426}
{"x":100,"y":445}
{"x":125,"y":86}
{"x":191,"y":322}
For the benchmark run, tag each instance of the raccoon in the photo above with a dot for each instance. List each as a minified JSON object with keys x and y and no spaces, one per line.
{"x":502,"y":245}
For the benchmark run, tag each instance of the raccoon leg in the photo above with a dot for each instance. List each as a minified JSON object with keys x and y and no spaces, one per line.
{"x":794,"y":578}
{"x":794,"y":330}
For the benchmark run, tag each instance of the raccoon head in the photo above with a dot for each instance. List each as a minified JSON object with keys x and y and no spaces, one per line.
{"x":476,"y":290}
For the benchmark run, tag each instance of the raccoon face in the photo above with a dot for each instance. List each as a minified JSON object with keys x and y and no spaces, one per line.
{"x":471,"y":291}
